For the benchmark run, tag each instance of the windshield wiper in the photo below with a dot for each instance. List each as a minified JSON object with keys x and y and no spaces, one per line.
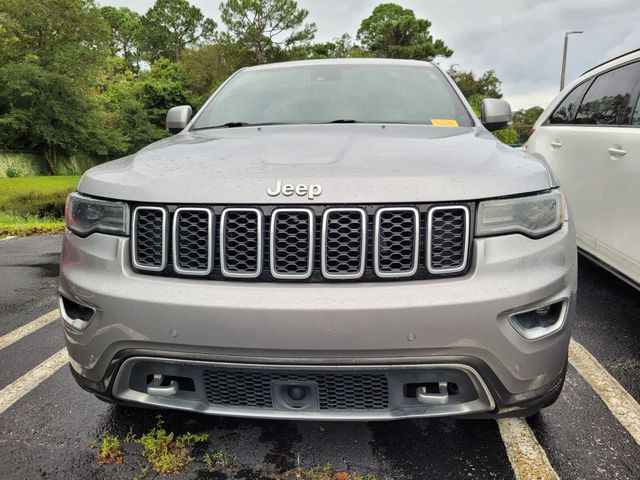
{"x":227,"y":125}
{"x":241,"y":124}
{"x":344,"y":120}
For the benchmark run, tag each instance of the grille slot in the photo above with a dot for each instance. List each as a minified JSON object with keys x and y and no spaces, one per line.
{"x":396,"y":241}
{"x":344,"y":243}
{"x":193,"y":233}
{"x":291,"y":243}
{"x":336,"y":391}
{"x":149,"y":238}
{"x":447,"y":239}
{"x":241,"y":242}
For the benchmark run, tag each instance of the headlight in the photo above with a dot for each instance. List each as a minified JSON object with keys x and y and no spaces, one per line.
{"x":533,"y":216}
{"x":85,"y":215}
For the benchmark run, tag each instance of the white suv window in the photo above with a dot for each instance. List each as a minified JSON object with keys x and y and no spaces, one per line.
{"x":635,"y":120}
{"x":607,"y":102}
{"x":566,"y":111}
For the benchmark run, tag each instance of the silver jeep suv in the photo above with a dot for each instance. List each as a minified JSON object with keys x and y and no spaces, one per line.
{"x":337,"y":239}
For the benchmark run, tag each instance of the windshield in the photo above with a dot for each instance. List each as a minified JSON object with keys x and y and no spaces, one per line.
{"x":326,"y":93}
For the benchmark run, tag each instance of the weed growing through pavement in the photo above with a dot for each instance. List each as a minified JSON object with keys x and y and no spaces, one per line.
{"x":167,"y":453}
{"x":131,"y":437}
{"x":219,"y":461}
{"x":109,"y":450}
{"x":142,"y":475}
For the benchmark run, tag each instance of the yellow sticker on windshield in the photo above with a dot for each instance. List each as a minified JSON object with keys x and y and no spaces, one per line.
{"x":444,"y":122}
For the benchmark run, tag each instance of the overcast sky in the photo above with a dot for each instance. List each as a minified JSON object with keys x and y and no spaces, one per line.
{"x":520,"y":39}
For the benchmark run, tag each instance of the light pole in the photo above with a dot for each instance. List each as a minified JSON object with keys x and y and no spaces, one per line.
{"x":564,"y":56}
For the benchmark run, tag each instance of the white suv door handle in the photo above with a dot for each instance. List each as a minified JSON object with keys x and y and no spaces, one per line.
{"x":556,"y":144}
{"x":617,"y":151}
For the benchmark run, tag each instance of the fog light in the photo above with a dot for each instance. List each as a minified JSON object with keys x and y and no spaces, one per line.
{"x":540,"y":321}
{"x":75,"y":315}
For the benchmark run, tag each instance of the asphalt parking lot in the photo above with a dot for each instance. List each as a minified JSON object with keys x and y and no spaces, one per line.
{"x":48,"y":424}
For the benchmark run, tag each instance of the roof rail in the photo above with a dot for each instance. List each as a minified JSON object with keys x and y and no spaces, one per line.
{"x":611,"y":60}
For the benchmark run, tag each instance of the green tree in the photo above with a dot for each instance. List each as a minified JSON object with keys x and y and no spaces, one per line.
{"x":208,"y":67}
{"x":341,"y":47}
{"x":394,"y":32}
{"x":53,"y":52}
{"x":64,"y":36}
{"x":45,"y":111}
{"x":523,"y":121}
{"x":163,"y":87}
{"x":125,"y":28}
{"x":527,"y":116}
{"x":123,"y":99}
{"x":486,"y":85}
{"x":172,"y":25}
{"x":267,"y":26}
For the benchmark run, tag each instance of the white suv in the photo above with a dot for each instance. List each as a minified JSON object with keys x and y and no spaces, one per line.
{"x":590,"y":136}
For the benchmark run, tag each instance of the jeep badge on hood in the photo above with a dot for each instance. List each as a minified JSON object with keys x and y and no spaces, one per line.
{"x":312,"y":190}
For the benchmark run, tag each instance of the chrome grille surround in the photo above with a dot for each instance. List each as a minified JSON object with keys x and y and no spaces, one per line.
{"x":178,"y":246}
{"x":137,"y":236}
{"x":384,"y":251}
{"x":454,"y":245}
{"x":344,"y":256}
{"x":234,"y":272}
{"x":275,"y":255}
{"x":341,"y":243}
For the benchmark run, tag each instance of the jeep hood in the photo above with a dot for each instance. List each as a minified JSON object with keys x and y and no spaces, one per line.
{"x":352,"y":163}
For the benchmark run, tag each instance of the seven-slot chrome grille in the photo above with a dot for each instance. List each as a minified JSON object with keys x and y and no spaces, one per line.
{"x":314,"y":244}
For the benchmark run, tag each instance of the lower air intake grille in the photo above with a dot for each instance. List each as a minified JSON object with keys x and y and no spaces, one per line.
{"x":336,"y":391}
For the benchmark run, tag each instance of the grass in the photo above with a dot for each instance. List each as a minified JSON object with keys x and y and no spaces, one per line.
{"x":32,"y":205}
{"x":13,"y":187}
{"x":109,"y":450}
{"x":168,"y":453}
{"x":219,"y":461}
{"x":21,"y":226}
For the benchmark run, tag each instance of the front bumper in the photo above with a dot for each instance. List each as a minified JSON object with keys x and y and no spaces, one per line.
{"x":461,"y":321}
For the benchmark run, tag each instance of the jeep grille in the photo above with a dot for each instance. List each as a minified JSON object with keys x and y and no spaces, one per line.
{"x":313,"y":244}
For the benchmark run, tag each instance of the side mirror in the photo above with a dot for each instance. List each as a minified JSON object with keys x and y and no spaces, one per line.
{"x":495,"y":114}
{"x":178,"y":118}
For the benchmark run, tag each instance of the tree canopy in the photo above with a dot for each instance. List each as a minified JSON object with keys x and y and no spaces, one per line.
{"x":172,"y":25}
{"x":79,"y":78}
{"x":486,"y":85}
{"x":266,"y":25}
{"x":394,"y":32}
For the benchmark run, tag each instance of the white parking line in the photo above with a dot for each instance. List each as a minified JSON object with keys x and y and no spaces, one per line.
{"x":30,"y":380}
{"x":528,"y":459}
{"x":622,"y":405}
{"x":30,"y":327}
